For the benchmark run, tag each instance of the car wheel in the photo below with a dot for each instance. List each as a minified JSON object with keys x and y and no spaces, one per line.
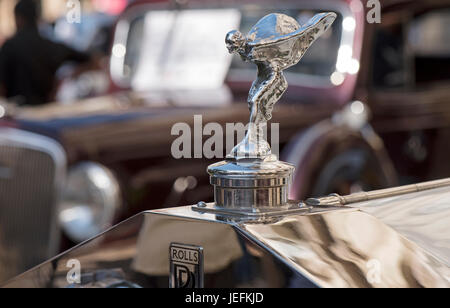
{"x":348,"y":172}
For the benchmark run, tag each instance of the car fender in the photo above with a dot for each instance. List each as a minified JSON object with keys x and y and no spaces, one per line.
{"x":310,"y":150}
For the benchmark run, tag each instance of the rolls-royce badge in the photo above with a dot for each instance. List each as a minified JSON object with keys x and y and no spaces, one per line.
{"x":186,"y":266}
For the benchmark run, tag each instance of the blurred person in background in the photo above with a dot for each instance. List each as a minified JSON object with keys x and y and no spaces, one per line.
{"x":28,"y":62}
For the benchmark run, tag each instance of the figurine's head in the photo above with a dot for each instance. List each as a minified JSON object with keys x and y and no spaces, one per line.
{"x":235,"y":41}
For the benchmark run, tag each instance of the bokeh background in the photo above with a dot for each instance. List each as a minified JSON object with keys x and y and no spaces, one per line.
{"x":367,"y":108}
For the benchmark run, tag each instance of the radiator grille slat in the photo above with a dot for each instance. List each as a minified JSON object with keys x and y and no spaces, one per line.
{"x":27,"y":208}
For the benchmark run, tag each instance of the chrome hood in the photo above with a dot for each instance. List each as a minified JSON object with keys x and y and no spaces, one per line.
{"x":398,"y":241}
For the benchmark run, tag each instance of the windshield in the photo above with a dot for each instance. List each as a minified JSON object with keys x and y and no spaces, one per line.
{"x":169,"y":49}
{"x":183,"y":49}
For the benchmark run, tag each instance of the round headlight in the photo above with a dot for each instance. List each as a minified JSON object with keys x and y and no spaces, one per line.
{"x":89,"y":202}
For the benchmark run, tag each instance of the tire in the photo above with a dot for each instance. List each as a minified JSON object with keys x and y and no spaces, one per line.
{"x":333,"y":159}
{"x":348,"y":172}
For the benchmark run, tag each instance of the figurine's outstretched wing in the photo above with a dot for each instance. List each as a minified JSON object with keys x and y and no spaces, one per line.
{"x":318,"y":25}
{"x":309,"y":33}
{"x":287,"y":50}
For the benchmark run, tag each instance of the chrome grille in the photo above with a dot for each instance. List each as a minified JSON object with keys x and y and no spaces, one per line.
{"x":31,"y":168}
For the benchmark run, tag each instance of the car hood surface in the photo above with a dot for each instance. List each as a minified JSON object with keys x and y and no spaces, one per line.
{"x":393,"y":242}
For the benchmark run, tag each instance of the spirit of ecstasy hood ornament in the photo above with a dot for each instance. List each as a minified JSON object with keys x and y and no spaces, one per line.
{"x":252,"y":180}
{"x":274,"y":44}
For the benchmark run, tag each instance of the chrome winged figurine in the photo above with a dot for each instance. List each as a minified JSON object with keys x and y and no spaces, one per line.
{"x":274,"y":44}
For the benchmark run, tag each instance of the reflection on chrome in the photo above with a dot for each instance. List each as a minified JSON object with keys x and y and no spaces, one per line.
{"x":334,"y":250}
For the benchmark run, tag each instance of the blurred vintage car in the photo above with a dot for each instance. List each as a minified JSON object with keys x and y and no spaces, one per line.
{"x":367,"y":97}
